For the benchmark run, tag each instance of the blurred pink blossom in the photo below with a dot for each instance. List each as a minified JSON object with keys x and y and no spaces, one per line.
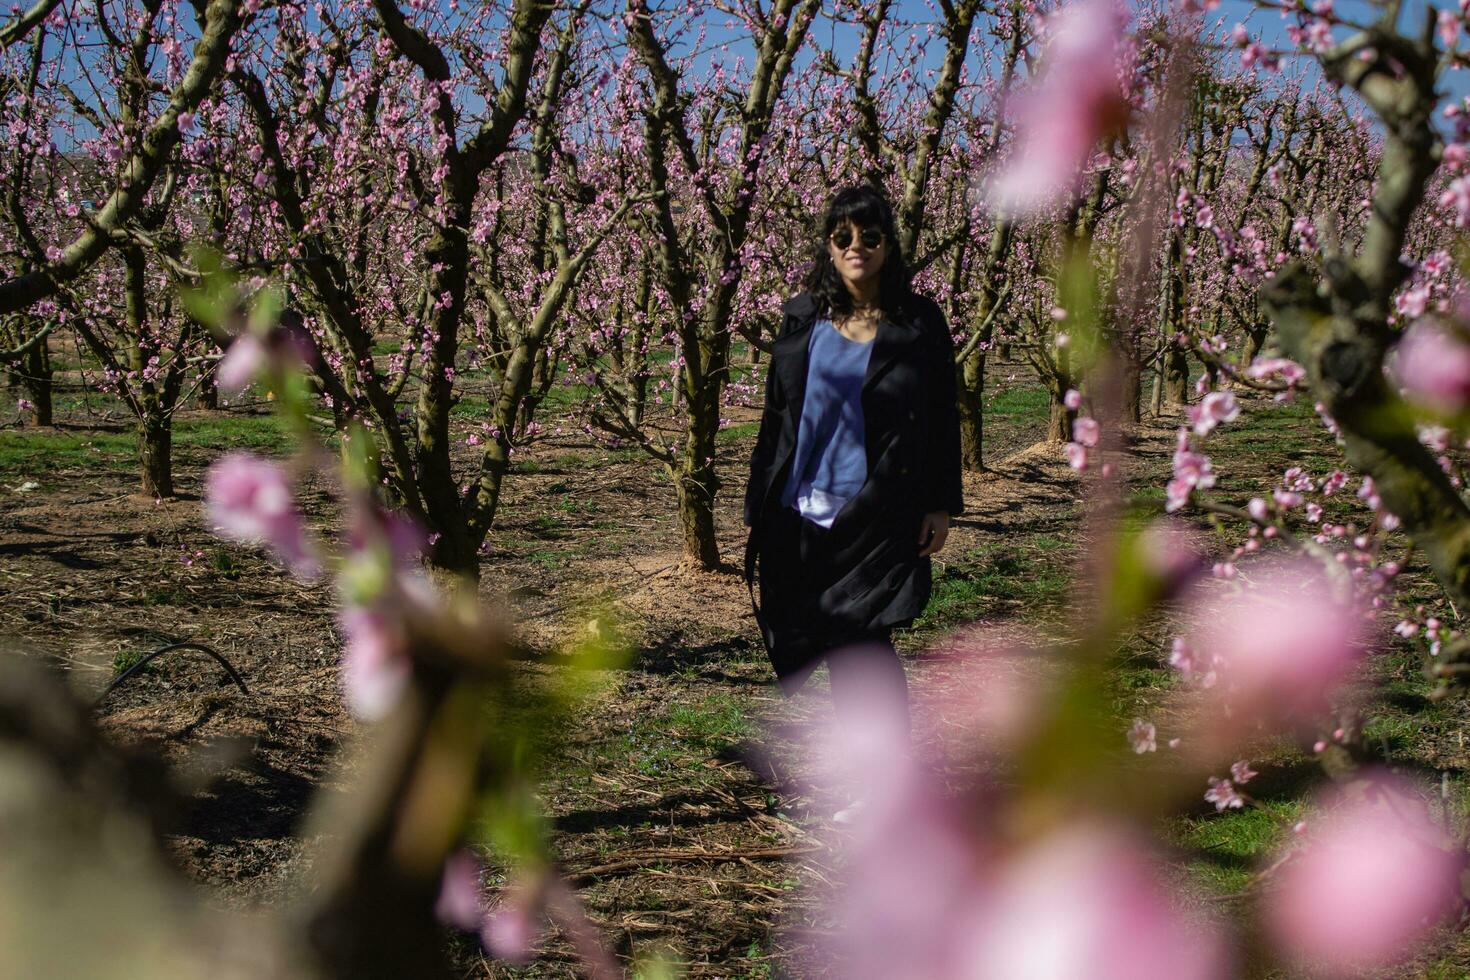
{"x":1214,"y":408}
{"x":459,"y":893}
{"x":1086,"y":430}
{"x":1076,"y":455}
{"x":1372,"y":875}
{"x":247,"y":499}
{"x":1413,"y":302}
{"x":1087,"y":901}
{"x":1449,"y":28}
{"x":1072,"y":399}
{"x":375,"y":663}
{"x":245,"y":359}
{"x":1282,"y":645}
{"x":252,"y":356}
{"x":510,"y":932}
{"x":1142,"y":737}
{"x":1077,"y":101}
{"x":1291,"y":372}
{"x":1432,"y":366}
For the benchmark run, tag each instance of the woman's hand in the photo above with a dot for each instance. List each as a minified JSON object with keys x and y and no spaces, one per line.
{"x":932,"y":531}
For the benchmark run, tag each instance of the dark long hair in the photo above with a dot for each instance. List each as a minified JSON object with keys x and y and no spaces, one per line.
{"x":866,"y":207}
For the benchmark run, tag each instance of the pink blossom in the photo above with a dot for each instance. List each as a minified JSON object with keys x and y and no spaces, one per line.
{"x":1076,"y":455}
{"x":1142,"y":736}
{"x":375,"y":664}
{"x":1176,"y":494}
{"x":1432,"y":366}
{"x":243,"y":362}
{"x":1181,"y":657}
{"x":1283,"y":645}
{"x":1214,"y":408}
{"x":1222,"y":793}
{"x":1072,"y":399}
{"x":261,"y":353}
{"x":1291,"y":372}
{"x":1457,"y":197}
{"x":1319,"y":35}
{"x":510,"y":932}
{"x":1085,"y":902}
{"x":1413,"y":302}
{"x":1287,"y":499}
{"x":459,"y":893}
{"x":1191,"y":471}
{"x":1449,"y":28}
{"x":1372,"y":876}
{"x":1078,"y":100}
{"x":1086,"y":431}
{"x":248,"y":499}
{"x":1242,"y":773}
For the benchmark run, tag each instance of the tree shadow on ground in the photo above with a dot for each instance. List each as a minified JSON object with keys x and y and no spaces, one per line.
{"x":670,"y":655}
{"x":255,"y":801}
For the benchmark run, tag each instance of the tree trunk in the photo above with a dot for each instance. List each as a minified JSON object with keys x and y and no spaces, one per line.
{"x":36,"y":372}
{"x":971,"y":390}
{"x":1156,"y":397}
{"x":155,"y":451}
{"x":1130,"y":377}
{"x":208,"y":396}
{"x":696,"y":485}
{"x":1176,"y":376}
{"x":1060,"y":417}
{"x":1255,"y":339}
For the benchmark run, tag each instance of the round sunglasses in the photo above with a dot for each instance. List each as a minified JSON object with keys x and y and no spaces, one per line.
{"x":870,"y":237}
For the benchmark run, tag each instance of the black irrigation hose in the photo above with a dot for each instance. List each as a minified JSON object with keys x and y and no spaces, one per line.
{"x":186,"y":645}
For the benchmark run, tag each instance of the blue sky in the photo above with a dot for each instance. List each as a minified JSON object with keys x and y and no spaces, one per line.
{"x":842,"y":39}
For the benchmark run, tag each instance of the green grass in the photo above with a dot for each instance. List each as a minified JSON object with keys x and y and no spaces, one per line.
{"x":1225,"y":850}
{"x":32,"y":452}
{"x":677,"y":741}
{"x":1028,"y":400}
{"x":127,"y":659}
{"x":1012,"y":576}
{"x":715,"y":722}
{"x":39,"y":451}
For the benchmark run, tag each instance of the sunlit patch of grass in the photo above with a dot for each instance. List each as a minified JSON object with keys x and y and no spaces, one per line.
{"x":714,"y":722}
{"x":25,"y":452}
{"x":1224,"y":851}
{"x":1007,"y":577}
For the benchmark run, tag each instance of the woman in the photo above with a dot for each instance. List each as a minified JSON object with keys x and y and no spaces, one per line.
{"x":856,"y":471}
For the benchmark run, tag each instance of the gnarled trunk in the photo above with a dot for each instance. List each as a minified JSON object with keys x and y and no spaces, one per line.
{"x":155,"y":455}
{"x":971,"y":393}
{"x":36,"y":377}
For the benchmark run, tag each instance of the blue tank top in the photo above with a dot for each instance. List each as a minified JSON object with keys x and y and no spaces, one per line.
{"x":831,"y":461}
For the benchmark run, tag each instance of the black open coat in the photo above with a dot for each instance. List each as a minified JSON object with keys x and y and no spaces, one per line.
{"x":875,"y":577}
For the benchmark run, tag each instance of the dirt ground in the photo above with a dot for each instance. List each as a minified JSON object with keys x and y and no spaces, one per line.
{"x":677,"y":805}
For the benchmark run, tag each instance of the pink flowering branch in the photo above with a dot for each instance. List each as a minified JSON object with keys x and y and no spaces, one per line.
{"x":1339,"y":332}
{"x":221,"y":20}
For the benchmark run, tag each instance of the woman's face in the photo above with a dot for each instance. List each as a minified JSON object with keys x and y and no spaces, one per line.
{"x":858,"y":253}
